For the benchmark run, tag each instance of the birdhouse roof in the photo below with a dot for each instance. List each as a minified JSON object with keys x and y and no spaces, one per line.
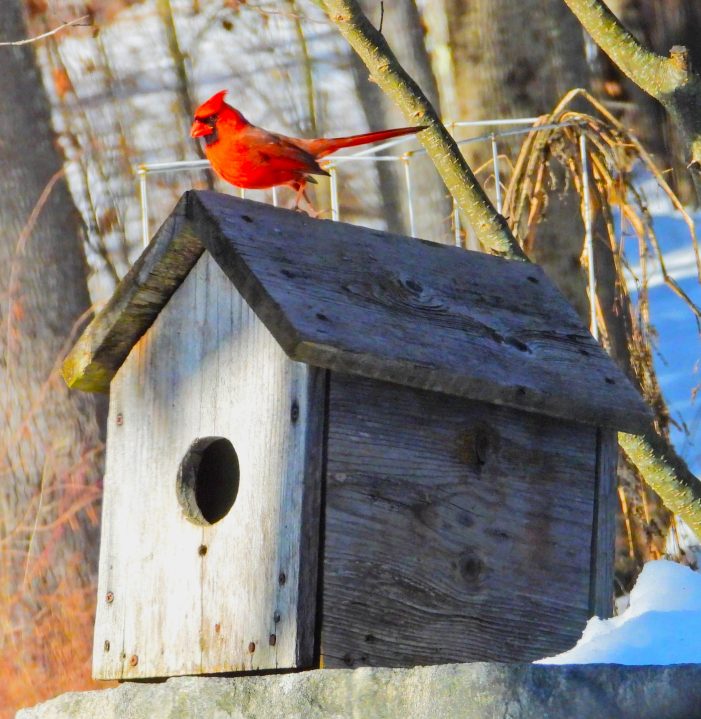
{"x":367,"y":302}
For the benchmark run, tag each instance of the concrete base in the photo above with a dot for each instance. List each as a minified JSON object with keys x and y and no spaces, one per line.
{"x":451,"y":691}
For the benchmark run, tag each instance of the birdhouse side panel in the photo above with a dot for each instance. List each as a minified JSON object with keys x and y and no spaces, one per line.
{"x":208,"y":491}
{"x":454,"y":530}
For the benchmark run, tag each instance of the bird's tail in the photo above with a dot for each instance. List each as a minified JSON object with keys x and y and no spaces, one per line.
{"x":326,"y":145}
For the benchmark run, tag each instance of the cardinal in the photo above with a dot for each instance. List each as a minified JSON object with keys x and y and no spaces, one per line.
{"x":253,"y":158}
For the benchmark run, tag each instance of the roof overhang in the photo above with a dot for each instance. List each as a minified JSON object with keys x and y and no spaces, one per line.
{"x":367,"y":302}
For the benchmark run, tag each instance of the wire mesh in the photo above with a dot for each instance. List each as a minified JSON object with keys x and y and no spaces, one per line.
{"x":378,"y":153}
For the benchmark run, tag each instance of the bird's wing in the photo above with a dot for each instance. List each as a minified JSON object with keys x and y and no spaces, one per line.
{"x":280,"y":152}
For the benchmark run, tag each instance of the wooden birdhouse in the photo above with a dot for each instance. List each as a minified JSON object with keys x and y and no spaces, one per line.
{"x":332,"y":446}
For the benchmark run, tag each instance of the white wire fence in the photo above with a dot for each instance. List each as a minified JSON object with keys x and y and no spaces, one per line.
{"x":382,"y":152}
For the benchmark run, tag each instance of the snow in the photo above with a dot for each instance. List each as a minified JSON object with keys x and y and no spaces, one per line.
{"x":661,"y":625}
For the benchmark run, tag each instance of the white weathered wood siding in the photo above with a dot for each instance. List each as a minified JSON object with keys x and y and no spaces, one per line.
{"x":207,"y":367}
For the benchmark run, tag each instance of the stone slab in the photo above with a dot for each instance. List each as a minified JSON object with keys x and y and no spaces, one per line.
{"x":450,"y":691}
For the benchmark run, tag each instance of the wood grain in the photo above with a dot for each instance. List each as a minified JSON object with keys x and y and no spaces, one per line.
{"x":414,"y":312}
{"x":604,"y":534}
{"x":140,"y":296}
{"x":353,"y":299}
{"x":454,"y":530}
{"x":197,"y":599}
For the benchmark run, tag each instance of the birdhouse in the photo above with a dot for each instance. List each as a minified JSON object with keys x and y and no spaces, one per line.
{"x":332,"y":446}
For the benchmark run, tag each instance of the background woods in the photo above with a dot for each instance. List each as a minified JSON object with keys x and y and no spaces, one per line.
{"x":84,"y":106}
{"x":50,"y":448}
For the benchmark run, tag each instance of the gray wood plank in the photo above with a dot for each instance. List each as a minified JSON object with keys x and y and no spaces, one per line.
{"x":454,"y":530}
{"x":188,"y":598}
{"x":311,"y":513}
{"x":414,"y":312}
{"x":353,"y":299}
{"x":604,"y":534}
{"x":159,"y":271}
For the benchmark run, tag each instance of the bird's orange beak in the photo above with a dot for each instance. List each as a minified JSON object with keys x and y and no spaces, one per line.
{"x":200,"y":129}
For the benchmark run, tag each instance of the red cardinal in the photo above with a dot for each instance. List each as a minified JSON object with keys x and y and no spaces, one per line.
{"x":250,"y":157}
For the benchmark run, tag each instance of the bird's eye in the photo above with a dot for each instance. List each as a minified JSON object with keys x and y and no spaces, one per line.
{"x":210,"y":120}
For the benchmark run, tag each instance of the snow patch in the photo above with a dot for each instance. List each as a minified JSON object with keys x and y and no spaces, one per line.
{"x":661,"y":625}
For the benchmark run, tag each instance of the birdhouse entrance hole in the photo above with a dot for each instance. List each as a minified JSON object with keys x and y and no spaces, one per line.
{"x":208,"y":480}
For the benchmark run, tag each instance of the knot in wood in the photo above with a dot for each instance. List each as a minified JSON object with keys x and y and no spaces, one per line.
{"x":470,"y":567}
{"x":475,"y":445}
{"x":398,"y":293}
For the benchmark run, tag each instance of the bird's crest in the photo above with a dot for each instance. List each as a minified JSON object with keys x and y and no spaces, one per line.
{"x":213,"y":106}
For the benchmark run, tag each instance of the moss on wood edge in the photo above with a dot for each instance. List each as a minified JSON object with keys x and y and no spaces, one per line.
{"x":140,"y":296}
{"x":80,"y":372}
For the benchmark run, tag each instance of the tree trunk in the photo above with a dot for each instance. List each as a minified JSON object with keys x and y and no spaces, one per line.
{"x":512,"y":58}
{"x":50,"y":437}
{"x":517,"y":58}
{"x":404,"y":30}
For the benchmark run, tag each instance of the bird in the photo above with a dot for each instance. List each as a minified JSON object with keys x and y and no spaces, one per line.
{"x":250,"y":157}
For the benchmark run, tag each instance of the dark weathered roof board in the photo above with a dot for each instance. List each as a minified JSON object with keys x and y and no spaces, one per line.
{"x":409,"y":311}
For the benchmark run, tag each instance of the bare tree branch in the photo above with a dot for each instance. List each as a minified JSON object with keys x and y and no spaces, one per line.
{"x":654,"y":458}
{"x":671,"y":80}
{"x":491,"y":228}
{"x":664,"y":471}
{"x":48,"y":33}
{"x":653,"y":73}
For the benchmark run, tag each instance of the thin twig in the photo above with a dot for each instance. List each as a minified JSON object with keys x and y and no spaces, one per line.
{"x":46,"y":386}
{"x":372,"y":48}
{"x":48,"y":33}
{"x":24,"y":235}
{"x":626,"y":516}
{"x":37,"y":517}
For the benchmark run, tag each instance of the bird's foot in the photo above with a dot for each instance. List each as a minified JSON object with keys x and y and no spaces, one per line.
{"x":309,"y":209}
